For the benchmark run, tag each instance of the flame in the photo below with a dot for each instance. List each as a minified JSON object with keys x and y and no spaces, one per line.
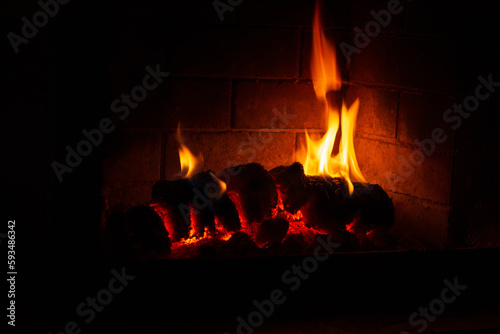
{"x":221,"y":184}
{"x":189,"y":162}
{"x":325,"y":74}
{"x":317,"y":156}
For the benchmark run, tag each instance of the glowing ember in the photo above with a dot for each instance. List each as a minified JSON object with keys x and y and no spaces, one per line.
{"x":350,"y":227}
{"x":317,"y":156}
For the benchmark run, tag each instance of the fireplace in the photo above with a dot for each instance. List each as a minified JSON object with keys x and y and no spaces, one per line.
{"x":241,"y":91}
{"x":95,"y":95}
{"x":231,"y":85}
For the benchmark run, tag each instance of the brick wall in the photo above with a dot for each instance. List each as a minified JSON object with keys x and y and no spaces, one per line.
{"x":228,"y":77}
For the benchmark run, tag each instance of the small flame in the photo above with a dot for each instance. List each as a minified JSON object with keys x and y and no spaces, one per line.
{"x":189,"y":162}
{"x":221,"y":184}
{"x":317,"y":158}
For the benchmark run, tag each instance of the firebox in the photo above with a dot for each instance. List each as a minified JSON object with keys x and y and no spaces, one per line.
{"x":252,"y":133}
{"x":251,"y":166}
{"x":370,"y":115}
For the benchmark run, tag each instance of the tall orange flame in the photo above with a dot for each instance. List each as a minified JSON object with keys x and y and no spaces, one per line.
{"x":189,"y":162}
{"x":325,"y":74}
{"x":317,"y":156}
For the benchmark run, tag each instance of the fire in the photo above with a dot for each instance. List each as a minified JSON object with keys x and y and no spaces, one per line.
{"x":317,"y":157}
{"x":189,"y":162}
{"x":221,"y":184}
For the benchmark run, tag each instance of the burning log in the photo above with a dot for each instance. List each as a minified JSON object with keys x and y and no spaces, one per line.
{"x":194,"y":203}
{"x":226,"y":214}
{"x":148,"y":231}
{"x":171,"y":201}
{"x":294,"y":244}
{"x":252,"y":190}
{"x":271,"y":231}
{"x":138,"y":234}
{"x":326,"y":205}
{"x":241,"y":244}
{"x":204,"y":190}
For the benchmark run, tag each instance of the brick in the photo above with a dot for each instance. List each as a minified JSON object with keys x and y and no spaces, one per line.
{"x":336,"y":14}
{"x":422,"y":224}
{"x":294,"y":13}
{"x":424,"y":64}
{"x":133,"y":157}
{"x":420,"y":114}
{"x":282,"y":13}
{"x":475,"y":214}
{"x":229,"y":51}
{"x":378,"y":110}
{"x":255,"y":102}
{"x":431,"y":180}
{"x":335,"y":37}
{"x":121,"y":196}
{"x":135,"y":45}
{"x":220,"y":148}
{"x":195,"y":103}
{"x":361,"y":15}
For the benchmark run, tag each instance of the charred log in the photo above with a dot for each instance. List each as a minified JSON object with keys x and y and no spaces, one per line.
{"x":271,"y":231}
{"x":139,"y":234}
{"x":204,"y":190}
{"x":194,"y":203}
{"x":326,"y":204}
{"x":253,"y":191}
{"x":171,"y":200}
{"x":226,"y":214}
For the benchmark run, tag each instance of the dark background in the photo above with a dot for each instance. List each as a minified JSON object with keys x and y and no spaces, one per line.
{"x":56,"y":86}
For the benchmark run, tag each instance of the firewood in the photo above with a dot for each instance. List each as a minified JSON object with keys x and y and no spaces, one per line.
{"x":271,"y":231}
{"x":148,"y":231}
{"x":194,"y":204}
{"x":326,"y":204}
{"x":226,"y":213}
{"x":171,"y":200}
{"x":139,"y":234}
{"x":204,"y":190}
{"x":252,"y":190}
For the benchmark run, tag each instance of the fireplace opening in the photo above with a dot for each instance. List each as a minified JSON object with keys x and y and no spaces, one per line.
{"x":254,"y":138}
